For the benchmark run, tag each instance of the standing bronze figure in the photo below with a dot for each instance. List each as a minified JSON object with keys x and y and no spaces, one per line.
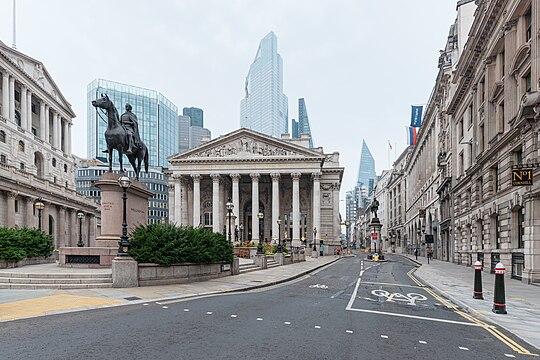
{"x":123,"y":136}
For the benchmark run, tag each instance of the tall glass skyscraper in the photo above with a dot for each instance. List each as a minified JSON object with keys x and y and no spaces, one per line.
{"x":366,"y":170}
{"x":303,"y":121}
{"x":265,"y":107}
{"x":196,"y":115}
{"x":158,"y":120}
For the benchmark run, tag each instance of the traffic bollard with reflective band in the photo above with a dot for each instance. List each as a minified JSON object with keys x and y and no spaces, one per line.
{"x":477,"y":293}
{"x":499,"y":303}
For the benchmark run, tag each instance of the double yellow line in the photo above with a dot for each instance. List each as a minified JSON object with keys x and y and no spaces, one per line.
{"x":491,"y":329}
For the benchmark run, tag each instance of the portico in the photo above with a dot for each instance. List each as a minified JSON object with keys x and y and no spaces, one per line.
{"x":259,"y":174}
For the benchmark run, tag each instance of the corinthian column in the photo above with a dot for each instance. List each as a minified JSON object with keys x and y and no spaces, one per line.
{"x":177,"y":201}
{"x":12,"y":99}
{"x":236,"y":197}
{"x":255,"y":207}
{"x":24,"y":109}
{"x":296,"y":210}
{"x":5,"y":94}
{"x":275,"y":204}
{"x":196,"y":199}
{"x":216,"y":219}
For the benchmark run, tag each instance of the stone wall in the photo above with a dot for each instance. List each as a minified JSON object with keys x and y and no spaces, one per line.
{"x":153,"y":274}
{"x":4,"y":264}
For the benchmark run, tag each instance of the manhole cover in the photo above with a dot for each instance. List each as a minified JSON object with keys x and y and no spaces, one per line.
{"x":131,"y":298}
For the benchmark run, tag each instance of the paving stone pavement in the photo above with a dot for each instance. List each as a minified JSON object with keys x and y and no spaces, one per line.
{"x":457,"y":281}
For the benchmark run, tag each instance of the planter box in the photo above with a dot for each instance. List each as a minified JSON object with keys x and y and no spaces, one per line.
{"x":153,"y":274}
{"x":5,"y":264}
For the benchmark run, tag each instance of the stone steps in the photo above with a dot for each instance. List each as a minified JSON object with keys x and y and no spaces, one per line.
{"x":36,"y":281}
{"x":248,"y":268}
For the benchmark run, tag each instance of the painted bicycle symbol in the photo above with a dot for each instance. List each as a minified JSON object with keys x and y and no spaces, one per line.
{"x":319,"y":286}
{"x":410,"y":298}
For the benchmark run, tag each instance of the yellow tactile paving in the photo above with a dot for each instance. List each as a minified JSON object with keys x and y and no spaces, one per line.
{"x":49,"y":304}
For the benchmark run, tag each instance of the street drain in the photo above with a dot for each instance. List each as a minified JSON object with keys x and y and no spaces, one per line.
{"x":256,"y":281}
{"x":131,"y":298}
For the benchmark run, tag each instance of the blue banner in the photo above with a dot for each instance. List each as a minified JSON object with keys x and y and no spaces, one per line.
{"x":416,"y":116}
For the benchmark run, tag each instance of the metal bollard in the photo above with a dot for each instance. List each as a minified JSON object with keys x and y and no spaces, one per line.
{"x":477,"y":293}
{"x":499,"y":303}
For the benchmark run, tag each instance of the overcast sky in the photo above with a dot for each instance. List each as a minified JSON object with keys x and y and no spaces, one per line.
{"x":359,"y":64}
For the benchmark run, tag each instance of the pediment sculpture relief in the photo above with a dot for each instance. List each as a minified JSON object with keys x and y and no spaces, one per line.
{"x":244,"y":146}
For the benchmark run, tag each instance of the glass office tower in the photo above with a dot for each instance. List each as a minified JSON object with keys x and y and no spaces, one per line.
{"x":366,"y":170}
{"x":195,"y":114}
{"x":158,"y":120}
{"x":265,"y":107}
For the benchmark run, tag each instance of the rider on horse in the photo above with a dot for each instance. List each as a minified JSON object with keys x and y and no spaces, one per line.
{"x":129,"y":120}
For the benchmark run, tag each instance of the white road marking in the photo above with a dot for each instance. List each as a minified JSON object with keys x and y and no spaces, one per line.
{"x":259,"y":319}
{"x":410,"y":298}
{"x":349,"y":331}
{"x":165,"y":307}
{"x":233,"y":316}
{"x":208,"y":313}
{"x":317,"y":327}
{"x":411,"y":316}
{"x":509,"y":355}
{"x":157,"y":302}
{"x":320,"y":286}
{"x":186,"y":310}
{"x":422,"y":342}
{"x":287,"y":323}
{"x":391,"y":284}
{"x":337,"y":294}
{"x":351,"y":301}
{"x":384,"y":336}
{"x":463,"y":348}
{"x":144,"y":304}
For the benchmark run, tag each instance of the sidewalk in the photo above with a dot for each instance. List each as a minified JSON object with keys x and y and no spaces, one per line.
{"x":18,"y":304}
{"x":457,"y":282}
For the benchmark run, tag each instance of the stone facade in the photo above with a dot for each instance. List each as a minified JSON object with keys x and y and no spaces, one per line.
{"x":283,"y":180}
{"x":35,"y":153}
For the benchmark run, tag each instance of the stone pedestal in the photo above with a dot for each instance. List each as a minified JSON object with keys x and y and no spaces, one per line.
{"x":125,"y":272}
{"x":111,"y":223}
{"x":278,"y":257}
{"x":261,"y":261}
{"x":235,"y":269}
{"x":375,"y":228}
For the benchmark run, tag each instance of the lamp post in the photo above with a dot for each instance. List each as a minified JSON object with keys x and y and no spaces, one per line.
{"x":230,"y":207}
{"x":279,"y":248}
{"x":418,"y":232}
{"x":347,"y":225}
{"x":241,"y":227}
{"x":314,"y":254}
{"x":39,"y":206}
{"x":80,"y":215}
{"x":123,"y":244}
{"x":260,"y":215}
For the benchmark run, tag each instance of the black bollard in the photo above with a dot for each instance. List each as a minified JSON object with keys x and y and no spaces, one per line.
{"x":477,"y":293}
{"x":499,"y":303}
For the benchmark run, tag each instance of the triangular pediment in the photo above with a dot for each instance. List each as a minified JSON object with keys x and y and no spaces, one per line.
{"x":245,"y":144}
{"x":36,"y":71}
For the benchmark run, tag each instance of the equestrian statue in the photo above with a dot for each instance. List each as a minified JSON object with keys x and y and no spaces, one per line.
{"x":122,"y":135}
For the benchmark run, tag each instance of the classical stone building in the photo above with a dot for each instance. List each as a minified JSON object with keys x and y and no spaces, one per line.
{"x":35,"y":152}
{"x":494,"y":112}
{"x":281,"y":178}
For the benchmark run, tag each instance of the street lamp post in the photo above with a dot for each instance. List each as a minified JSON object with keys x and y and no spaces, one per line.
{"x":241,"y":227}
{"x":347,"y":235}
{"x":279,"y":248}
{"x":39,"y":206}
{"x":230,"y":207}
{"x":123,"y":245}
{"x":260,"y":250}
{"x":80,"y":215}
{"x":314,"y":253}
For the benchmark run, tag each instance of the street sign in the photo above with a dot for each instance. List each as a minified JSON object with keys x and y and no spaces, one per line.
{"x":374,"y":236}
{"x":522,"y":177}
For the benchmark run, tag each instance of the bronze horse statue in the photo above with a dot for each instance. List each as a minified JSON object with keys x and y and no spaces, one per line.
{"x":116,"y":138}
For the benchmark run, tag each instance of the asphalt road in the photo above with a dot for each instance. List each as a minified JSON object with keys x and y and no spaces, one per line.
{"x":353,"y":309}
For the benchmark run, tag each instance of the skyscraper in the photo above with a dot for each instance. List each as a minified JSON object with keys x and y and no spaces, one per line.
{"x":157,"y":116}
{"x":265,"y":107}
{"x":294,"y":129}
{"x":366,"y":170}
{"x":196,"y":115}
{"x":303,"y":121}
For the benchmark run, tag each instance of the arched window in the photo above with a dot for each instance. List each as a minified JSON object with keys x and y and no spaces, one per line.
{"x":21,"y":146}
{"x":65,"y":168}
{"x":2,"y":136}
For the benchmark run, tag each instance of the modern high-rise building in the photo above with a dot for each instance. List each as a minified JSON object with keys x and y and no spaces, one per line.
{"x":366,"y":170}
{"x":294,"y":129}
{"x":265,"y":107}
{"x":189,"y":135}
{"x":303,"y":122}
{"x":157,"y":116}
{"x":195,"y":114}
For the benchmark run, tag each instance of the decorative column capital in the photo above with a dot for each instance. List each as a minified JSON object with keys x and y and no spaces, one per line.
{"x":316,"y":176}
{"x":509,"y":25}
{"x":215,"y":177}
{"x":275,"y":176}
{"x":255,"y":177}
{"x":12,"y":194}
{"x":296,"y":176}
{"x":235,"y":177}
{"x":196,"y":177}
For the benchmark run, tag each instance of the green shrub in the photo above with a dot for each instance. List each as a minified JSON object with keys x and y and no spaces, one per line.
{"x":18,"y":244}
{"x":167,"y":244}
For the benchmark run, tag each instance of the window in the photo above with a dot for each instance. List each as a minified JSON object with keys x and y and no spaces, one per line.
{"x":54,"y":162}
{"x":527,"y":82}
{"x":21,"y":146}
{"x":480,"y":188}
{"x":528,"y":26}
{"x":17,"y":95}
{"x":481,"y":89}
{"x":65,"y":168}
{"x":21,"y":166}
{"x":2,"y":136}
{"x":497,"y":232}
{"x":460,"y":130}
{"x":16,"y":205}
{"x":518,"y":157}
{"x":481,"y":138}
{"x":18,"y":118}
{"x":495,"y":178}
{"x":520,"y":228}
{"x":460,"y":165}
{"x":3,"y":159}
{"x":500,"y":118}
{"x":208,"y":220}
